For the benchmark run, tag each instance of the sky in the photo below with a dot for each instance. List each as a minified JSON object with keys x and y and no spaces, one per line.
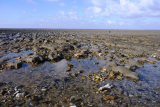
{"x":80,"y":14}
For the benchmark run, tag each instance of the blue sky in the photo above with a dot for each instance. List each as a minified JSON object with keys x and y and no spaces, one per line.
{"x":80,"y":14}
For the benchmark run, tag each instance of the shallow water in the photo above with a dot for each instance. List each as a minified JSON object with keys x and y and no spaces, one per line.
{"x":49,"y":71}
{"x":16,"y":54}
{"x":56,"y":69}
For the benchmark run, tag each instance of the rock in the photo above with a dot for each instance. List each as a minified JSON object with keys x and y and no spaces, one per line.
{"x":158,"y":87}
{"x":73,"y":75}
{"x":83,"y":53}
{"x":70,"y":66}
{"x":20,"y":95}
{"x":119,"y":78}
{"x":14,"y":65}
{"x":35,"y":58}
{"x":133,"y":52}
{"x":44,"y":89}
{"x":96,"y":63}
{"x":55,"y":56}
{"x":72,"y":99}
{"x":121,"y":69}
{"x":156,"y":55}
{"x":106,"y":69}
{"x":84,"y":78}
{"x":34,"y":98}
{"x":133,"y":62}
{"x":130,"y":66}
{"x":152,"y":62}
{"x":132,"y":75}
{"x":3,"y":91}
{"x":126,"y":72}
{"x":1,"y":83}
{"x":112,"y":63}
{"x":79,"y":72}
{"x":110,"y":98}
{"x":107,"y":86}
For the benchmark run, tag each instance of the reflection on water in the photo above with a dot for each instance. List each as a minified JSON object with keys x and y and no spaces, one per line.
{"x":53,"y":74}
{"x":28,"y":75}
{"x":16,"y":54}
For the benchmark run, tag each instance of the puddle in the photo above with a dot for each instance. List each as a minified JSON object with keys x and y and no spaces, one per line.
{"x":16,"y":54}
{"x":57,"y":69}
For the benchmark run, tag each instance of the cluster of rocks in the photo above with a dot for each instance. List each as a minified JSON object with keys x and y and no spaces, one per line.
{"x":123,"y":53}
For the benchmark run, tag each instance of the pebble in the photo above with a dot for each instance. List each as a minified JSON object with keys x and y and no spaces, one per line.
{"x":20,"y":95}
{"x":152,"y":62}
{"x":44,"y":89}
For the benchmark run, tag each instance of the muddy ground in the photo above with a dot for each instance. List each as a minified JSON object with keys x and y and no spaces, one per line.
{"x":79,"y":68}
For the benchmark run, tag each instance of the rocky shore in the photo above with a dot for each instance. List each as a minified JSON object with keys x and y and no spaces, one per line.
{"x":79,"y":68}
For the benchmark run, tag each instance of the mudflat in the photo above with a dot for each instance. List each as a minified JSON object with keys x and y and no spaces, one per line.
{"x":79,"y":68}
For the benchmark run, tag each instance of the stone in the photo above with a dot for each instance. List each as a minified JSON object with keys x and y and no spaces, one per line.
{"x":130,"y":66}
{"x":55,"y":55}
{"x":106,"y":69}
{"x":20,"y":95}
{"x":132,"y":75}
{"x":112,"y":63}
{"x":125,"y":72}
{"x":44,"y":89}
{"x":152,"y":62}
{"x":72,"y":99}
{"x":107,"y":86}
{"x":14,"y":65}
{"x":110,"y":98}
{"x":133,"y":62}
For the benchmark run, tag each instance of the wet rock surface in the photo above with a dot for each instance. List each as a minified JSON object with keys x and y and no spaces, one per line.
{"x":79,"y":68}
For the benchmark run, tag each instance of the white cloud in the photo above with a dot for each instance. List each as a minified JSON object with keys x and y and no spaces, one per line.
{"x":68,"y":15}
{"x":110,"y":22}
{"x":94,"y":9}
{"x":62,"y":4}
{"x":121,"y":23}
{"x":103,"y":3}
{"x":43,"y":20}
{"x":105,"y":13}
{"x":61,"y":13}
{"x":126,"y":8}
